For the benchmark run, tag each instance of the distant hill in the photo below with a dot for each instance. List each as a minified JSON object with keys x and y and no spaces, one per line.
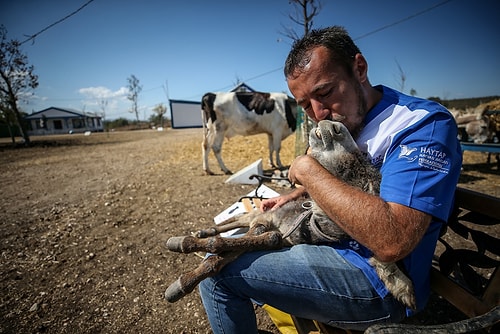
{"x":465,"y":103}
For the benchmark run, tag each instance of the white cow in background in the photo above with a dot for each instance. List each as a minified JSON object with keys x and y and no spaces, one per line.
{"x":228,"y":114}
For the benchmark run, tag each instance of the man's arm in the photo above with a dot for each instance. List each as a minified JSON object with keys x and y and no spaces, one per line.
{"x":391,"y":231}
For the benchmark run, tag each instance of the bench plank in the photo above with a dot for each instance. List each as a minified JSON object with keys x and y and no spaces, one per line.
{"x":492,"y":294}
{"x":488,"y":148}
{"x":477,"y":202}
{"x":457,"y":295}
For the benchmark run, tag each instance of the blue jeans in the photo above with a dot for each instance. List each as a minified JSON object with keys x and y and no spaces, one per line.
{"x":308,"y":281}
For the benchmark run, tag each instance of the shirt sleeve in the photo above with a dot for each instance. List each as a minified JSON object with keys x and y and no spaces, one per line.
{"x":422,"y":166}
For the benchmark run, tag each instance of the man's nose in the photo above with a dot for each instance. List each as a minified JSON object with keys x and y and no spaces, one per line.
{"x":320,"y":111}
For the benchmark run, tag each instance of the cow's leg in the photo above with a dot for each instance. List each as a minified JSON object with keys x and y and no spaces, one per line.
{"x":207,"y":268}
{"x":270,"y":146}
{"x":217,"y":147}
{"x":275,"y":146}
{"x":217,"y":244}
{"x":205,"y":147}
{"x":278,"y":160}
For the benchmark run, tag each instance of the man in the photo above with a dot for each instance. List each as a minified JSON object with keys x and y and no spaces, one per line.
{"x":413,"y":141}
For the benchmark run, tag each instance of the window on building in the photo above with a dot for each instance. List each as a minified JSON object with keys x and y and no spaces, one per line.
{"x":77,"y":123}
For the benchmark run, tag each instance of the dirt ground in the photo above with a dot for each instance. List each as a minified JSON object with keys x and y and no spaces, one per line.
{"x":84,"y":220}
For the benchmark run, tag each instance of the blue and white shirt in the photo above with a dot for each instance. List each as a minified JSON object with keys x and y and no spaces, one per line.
{"x":414,"y":143}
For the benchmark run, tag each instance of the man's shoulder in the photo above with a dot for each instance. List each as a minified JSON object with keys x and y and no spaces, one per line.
{"x":396,"y":99}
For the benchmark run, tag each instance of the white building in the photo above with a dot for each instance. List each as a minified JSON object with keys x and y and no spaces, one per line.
{"x":61,"y":121}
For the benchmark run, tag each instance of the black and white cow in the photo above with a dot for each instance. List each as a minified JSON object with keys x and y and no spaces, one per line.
{"x":228,"y":114}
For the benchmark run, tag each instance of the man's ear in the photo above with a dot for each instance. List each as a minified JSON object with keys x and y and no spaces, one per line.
{"x":360,"y":67}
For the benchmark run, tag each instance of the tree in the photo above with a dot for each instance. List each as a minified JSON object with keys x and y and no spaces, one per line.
{"x":17,"y":81}
{"x":7,"y":118}
{"x":133,"y":94}
{"x":103,"y":103}
{"x":305,"y":11}
{"x":402,"y":78}
{"x":160,"y":110}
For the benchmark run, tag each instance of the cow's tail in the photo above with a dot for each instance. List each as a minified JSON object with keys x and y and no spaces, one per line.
{"x":204,"y":120}
{"x":204,"y":116}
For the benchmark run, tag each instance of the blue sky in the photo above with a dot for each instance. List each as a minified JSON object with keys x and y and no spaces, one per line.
{"x":182,"y":49}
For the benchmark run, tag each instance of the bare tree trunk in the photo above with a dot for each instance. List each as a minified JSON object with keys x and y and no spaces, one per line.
{"x":309,"y":10}
{"x":11,"y":133}
{"x":21,"y":126}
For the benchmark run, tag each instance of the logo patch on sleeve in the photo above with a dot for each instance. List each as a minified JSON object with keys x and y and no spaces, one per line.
{"x":406,"y":152}
{"x":427,"y":157}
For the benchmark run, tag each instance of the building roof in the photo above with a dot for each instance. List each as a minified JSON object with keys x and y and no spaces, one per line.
{"x":54,"y":112}
{"x":242,"y":87}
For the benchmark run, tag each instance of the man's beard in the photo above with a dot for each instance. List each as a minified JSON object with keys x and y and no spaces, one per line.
{"x":361,"y":112}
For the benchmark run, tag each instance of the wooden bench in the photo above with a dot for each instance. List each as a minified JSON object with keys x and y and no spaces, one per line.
{"x":465,"y":271}
{"x":485,"y":148}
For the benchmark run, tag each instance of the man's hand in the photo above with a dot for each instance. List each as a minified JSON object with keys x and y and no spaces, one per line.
{"x":300,"y":165}
{"x":272,"y":203}
{"x":276,"y":202}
